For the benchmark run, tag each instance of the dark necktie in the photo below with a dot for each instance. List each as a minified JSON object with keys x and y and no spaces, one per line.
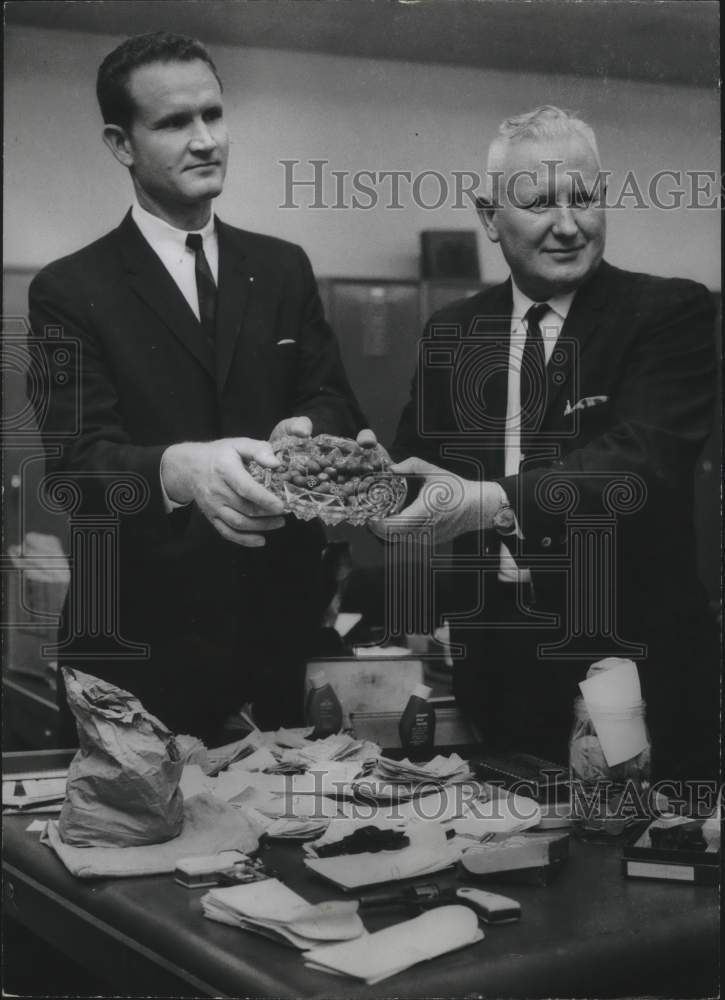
{"x":533,"y":371}
{"x":205,"y":286}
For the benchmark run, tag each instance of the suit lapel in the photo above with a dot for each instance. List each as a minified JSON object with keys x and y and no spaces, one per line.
{"x":234,"y":286}
{"x":492,"y":328}
{"x":154,"y":285}
{"x":585,"y":318}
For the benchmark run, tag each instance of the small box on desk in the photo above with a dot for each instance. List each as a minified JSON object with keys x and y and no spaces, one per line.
{"x":531,"y":858}
{"x":672,"y":854}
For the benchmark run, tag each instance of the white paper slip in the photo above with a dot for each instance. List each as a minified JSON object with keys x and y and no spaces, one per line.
{"x":500,"y":814}
{"x":612,"y":683}
{"x":194,"y":781}
{"x":374,"y":957}
{"x":256,"y":761}
{"x":345,"y":621}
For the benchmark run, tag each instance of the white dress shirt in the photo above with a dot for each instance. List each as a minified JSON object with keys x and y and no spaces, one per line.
{"x":169,"y":244}
{"x":550,"y":324}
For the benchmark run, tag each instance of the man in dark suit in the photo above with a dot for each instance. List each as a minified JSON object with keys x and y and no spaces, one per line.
{"x":191,"y":343}
{"x":568,"y":407}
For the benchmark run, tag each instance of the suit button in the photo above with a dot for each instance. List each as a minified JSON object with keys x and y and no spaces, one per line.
{"x":545,"y":542}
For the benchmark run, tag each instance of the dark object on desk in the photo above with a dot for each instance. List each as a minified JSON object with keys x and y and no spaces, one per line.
{"x":123,"y":784}
{"x":488,"y":906}
{"x":450,"y":254}
{"x":366,"y":839}
{"x":536,"y":777}
{"x":683,"y":837}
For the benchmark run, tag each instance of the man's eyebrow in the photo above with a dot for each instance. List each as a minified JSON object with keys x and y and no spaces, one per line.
{"x":183,"y":114}
{"x":170,"y":116}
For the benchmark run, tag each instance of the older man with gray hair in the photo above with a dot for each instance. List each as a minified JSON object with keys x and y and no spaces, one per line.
{"x":561,"y":414}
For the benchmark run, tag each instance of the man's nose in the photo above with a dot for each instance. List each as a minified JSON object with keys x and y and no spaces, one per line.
{"x":203,"y":138}
{"x":564,"y":222}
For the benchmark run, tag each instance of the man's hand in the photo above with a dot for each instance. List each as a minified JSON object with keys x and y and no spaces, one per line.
{"x":302,"y":427}
{"x":367,"y":439}
{"x":449,"y":504}
{"x":212,"y":474}
{"x":296,"y":426}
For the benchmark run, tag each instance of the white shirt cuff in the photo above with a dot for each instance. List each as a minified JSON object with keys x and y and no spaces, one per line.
{"x":169,"y":505}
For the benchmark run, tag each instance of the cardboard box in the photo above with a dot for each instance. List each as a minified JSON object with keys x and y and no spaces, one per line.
{"x":641,"y":860}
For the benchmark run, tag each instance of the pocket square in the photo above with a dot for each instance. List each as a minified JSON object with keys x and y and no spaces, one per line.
{"x":585,"y":403}
{"x":287,"y":340}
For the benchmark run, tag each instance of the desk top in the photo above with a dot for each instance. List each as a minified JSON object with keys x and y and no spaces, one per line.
{"x":590,"y":933}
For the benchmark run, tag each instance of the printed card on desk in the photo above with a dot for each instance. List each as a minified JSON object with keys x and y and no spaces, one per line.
{"x":377,"y":956}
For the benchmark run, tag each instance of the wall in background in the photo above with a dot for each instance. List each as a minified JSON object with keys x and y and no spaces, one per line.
{"x":62,"y":189}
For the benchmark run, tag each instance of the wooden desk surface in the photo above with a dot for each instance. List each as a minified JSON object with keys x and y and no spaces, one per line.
{"x":591,"y":933}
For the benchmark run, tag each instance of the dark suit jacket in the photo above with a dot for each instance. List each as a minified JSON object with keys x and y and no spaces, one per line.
{"x":211,"y":613}
{"x":637,"y":354}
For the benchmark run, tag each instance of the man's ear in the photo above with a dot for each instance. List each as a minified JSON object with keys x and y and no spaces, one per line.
{"x":486,"y":211}
{"x":117,"y":140}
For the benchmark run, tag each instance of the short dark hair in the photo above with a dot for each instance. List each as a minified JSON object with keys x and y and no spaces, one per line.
{"x":116,"y":104}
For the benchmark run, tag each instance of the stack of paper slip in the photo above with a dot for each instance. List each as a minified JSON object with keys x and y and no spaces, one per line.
{"x":271,"y":909}
{"x":33,"y":794}
{"x":401,"y":779}
{"x":337,"y":747}
{"x":286,"y":828}
{"x":377,"y":956}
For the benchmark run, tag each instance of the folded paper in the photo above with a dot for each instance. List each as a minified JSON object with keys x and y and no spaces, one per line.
{"x":377,"y":956}
{"x":272,"y":909}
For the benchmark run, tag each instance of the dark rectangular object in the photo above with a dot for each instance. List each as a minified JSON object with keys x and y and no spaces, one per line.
{"x":526,"y":774}
{"x":450,"y":254}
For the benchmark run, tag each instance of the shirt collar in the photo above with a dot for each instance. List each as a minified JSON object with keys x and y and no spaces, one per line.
{"x":560,"y":304}
{"x":157,"y":231}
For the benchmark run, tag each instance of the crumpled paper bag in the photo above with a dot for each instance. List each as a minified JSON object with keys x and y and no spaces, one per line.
{"x":123,"y":783}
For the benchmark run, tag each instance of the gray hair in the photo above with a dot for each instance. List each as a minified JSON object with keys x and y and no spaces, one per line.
{"x":546,"y":122}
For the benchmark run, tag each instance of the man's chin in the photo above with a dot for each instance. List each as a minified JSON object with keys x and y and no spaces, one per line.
{"x":567,"y":276}
{"x":203,"y":192}
{"x":200,"y":187}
